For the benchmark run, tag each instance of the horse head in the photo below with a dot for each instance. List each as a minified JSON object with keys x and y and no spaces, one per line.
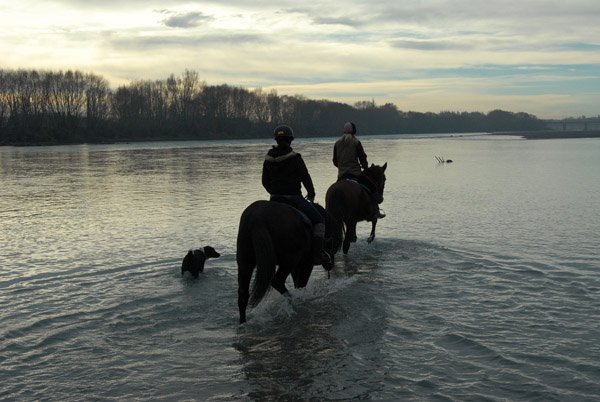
{"x":377,"y":175}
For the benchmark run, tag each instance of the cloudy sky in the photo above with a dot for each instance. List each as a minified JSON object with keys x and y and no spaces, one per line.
{"x":536,"y":56}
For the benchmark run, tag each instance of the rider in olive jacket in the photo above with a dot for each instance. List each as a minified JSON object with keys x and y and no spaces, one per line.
{"x":349,"y":157}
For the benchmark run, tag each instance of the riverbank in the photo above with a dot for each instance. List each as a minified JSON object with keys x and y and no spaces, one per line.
{"x":545,"y":135}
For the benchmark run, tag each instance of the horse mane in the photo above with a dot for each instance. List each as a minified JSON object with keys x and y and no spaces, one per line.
{"x":373,"y":171}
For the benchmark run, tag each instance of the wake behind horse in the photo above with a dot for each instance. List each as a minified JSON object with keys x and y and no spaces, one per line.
{"x":274,"y":238}
{"x":349,"y":203}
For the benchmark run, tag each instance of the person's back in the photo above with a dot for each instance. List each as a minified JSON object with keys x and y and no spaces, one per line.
{"x":350,"y":158}
{"x":347,"y":156}
{"x":348,"y":153}
{"x":284,"y":172}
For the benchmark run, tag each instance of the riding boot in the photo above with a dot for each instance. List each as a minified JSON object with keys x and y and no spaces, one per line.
{"x":320,"y":257}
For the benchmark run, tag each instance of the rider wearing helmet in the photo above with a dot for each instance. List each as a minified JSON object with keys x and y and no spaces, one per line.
{"x":284,"y":173}
{"x":349,"y":156}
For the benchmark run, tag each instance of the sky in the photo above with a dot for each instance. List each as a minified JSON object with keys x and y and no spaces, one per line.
{"x":535,"y":56}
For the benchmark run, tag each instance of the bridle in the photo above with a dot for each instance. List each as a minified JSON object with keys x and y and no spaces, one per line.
{"x":376,"y":185}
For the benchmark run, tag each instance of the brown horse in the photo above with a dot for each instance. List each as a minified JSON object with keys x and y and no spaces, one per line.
{"x":274,"y":234}
{"x":349,"y":202}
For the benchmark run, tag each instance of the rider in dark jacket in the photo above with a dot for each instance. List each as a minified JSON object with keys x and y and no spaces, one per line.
{"x":283,"y":175}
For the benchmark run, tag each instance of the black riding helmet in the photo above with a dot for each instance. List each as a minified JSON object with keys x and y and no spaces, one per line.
{"x":283,"y":131}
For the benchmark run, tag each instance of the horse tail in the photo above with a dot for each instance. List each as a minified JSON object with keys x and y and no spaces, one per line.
{"x":266,"y":262}
{"x":336,"y":205}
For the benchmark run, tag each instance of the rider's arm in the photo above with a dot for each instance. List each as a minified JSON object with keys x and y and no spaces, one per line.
{"x":362,"y":156}
{"x":335,"y":161}
{"x":306,"y":180}
{"x":266,"y":182}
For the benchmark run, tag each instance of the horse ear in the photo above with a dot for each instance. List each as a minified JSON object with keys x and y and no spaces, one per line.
{"x":384,"y":166}
{"x":372,"y":164}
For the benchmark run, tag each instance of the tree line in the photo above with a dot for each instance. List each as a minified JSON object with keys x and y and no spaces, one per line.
{"x":61,"y":107}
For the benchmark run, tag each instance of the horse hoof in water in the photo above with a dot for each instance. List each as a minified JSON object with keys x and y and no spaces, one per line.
{"x":194,"y":260}
{"x":328,"y":266}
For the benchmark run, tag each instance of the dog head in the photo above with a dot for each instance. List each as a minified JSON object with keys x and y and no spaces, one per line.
{"x":194,"y":260}
{"x":210,"y":252}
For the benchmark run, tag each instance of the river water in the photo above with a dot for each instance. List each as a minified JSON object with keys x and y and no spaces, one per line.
{"x":483,"y":282}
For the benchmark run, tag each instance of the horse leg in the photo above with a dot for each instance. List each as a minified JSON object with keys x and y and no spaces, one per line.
{"x":278,"y":281}
{"x":346,"y":245}
{"x":302,"y":274}
{"x":350,"y":236}
{"x":244,"y":277}
{"x":352,"y":231}
{"x":372,"y":235}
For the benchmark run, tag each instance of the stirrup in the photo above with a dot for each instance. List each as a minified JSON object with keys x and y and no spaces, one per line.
{"x":380,"y":214}
{"x":324,"y":255}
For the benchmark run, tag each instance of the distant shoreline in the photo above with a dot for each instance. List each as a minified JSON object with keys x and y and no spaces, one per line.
{"x":545,"y":135}
{"x":529,"y":135}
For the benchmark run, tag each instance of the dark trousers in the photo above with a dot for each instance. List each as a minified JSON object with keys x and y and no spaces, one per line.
{"x":300,"y":203}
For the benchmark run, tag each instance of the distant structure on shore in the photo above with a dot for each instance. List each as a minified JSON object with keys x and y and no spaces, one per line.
{"x":573,"y":124}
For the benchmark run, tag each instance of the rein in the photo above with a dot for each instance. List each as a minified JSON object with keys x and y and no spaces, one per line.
{"x":372,"y":182}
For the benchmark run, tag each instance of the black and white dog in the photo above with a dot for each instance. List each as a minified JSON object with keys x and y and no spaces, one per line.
{"x":193,"y":262}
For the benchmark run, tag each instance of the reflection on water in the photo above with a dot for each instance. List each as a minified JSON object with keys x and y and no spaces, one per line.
{"x":81,"y":199}
{"x":341,"y":323}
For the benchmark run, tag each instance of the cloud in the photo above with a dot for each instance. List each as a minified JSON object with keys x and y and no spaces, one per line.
{"x":428,"y":44}
{"x":185,"y":19}
{"x":336,"y":21}
{"x":346,"y":51}
{"x":190,"y":42}
{"x":586,"y":47}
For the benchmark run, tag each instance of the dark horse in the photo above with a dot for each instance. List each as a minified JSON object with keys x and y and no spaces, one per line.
{"x":349,"y":202}
{"x":274,"y":234}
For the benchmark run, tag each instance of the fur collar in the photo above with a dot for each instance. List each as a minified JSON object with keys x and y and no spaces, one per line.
{"x":281,"y":158}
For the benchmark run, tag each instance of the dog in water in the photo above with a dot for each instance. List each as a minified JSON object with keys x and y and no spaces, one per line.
{"x":194,"y":261}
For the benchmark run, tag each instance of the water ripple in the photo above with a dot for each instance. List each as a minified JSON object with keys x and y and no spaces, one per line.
{"x":472,"y":290}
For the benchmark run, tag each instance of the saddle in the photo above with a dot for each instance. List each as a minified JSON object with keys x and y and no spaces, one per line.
{"x":370,"y":191}
{"x":302,"y":215}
